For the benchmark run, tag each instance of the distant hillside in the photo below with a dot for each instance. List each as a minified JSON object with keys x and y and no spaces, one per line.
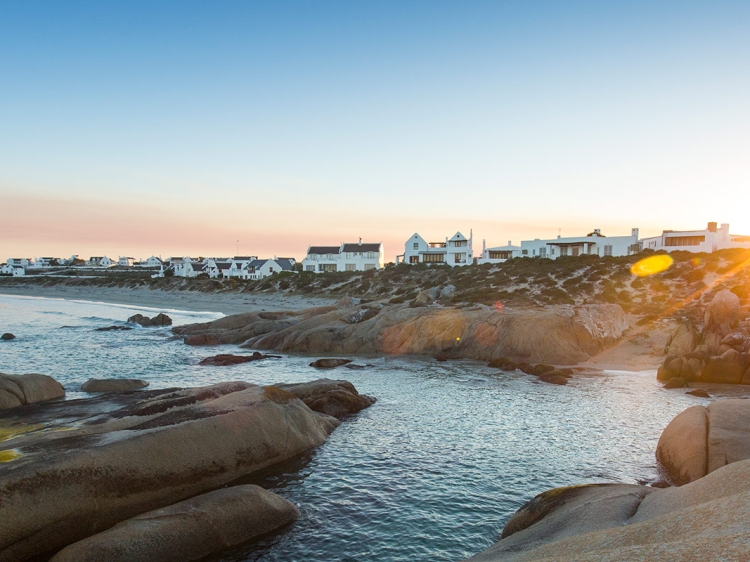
{"x":518,"y":282}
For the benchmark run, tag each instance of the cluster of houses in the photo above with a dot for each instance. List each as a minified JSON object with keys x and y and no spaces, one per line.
{"x":364,"y":256}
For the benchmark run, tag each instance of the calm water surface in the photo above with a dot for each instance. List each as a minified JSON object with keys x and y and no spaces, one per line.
{"x":430,"y":472}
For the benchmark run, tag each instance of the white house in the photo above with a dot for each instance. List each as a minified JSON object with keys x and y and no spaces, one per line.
{"x":153,"y":261}
{"x":258,"y":269}
{"x":99,"y":261}
{"x":189,"y":268}
{"x":218,"y":267}
{"x":125,"y":261}
{"x":18,"y":270}
{"x":6,"y":269}
{"x":25,"y":262}
{"x":498,"y":254}
{"x":44,"y":262}
{"x":349,"y":256}
{"x":708,"y":240}
{"x":594,"y":243}
{"x":456,"y":251}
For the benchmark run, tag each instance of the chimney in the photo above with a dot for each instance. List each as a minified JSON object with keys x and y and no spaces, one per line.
{"x":484,"y":245}
{"x":635,"y":233}
{"x":711,"y":227}
{"x":510,"y":243}
{"x":360,"y":241}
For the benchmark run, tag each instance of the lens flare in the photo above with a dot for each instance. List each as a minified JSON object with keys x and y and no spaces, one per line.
{"x":498,"y":306}
{"x":651,"y":265}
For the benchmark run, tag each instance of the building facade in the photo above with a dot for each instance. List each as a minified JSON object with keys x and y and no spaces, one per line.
{"x":349,"y":256}
{"x":711,"y":239}
{"x":455,"y":251}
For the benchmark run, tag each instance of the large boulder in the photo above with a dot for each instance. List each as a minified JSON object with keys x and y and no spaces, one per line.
{"x":160,"y":319}
{"x":188,"y":530}
{"x":723,"y":312}
{"x":7,"y":336}
{"x":329,"y":363}
{"x":226,"y":359}
{"x":728,"y":368}
{"x":335,"y":398}
{"x":704,"y":520}
{"x":683,"y":340}
{"x":19,"y":390}
{"x":112,"y":385}
{"x":123,"y":454}
{"x":702,"y":439}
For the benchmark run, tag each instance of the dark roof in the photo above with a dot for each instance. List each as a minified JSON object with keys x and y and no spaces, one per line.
{"x":223,"y":265}
{"x":324,"y":250}
{"x":286,"y":263}
{"x":244,"y":258}
{"x":198,"y":266}
{"x":257,"y":263}
{"x":362,"y":247}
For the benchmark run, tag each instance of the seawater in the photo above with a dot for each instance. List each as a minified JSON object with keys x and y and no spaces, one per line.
{"x":430,"y":472}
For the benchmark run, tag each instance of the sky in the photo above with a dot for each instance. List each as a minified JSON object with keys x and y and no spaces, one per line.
{"x":216,"y":128}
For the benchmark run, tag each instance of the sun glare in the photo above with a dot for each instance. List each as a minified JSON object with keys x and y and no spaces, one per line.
{"x":651,"y":265}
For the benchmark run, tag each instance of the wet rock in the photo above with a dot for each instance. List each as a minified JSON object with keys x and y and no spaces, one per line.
{"x":21,"y":390}
{"x":112,"y":385}
{"x":188,"y":530}
{"x":7,"y":337}
{"x":542,"y":369}
{"x":699,"y":392}
{"x":728,"y":368}
{"x":503,"y":363}
{"x":113,"y":328}
{"x":329,"y":363}
{"x":554,"y":379}
{"x":335,"y":398}
{"x":225,"y":359}
{"x":202,"y":339}
{"x":675,"y":382}
{"x":126,"y":453}
{"x":160,"y":319}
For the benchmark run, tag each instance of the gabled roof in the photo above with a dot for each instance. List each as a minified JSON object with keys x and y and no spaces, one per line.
{"x":324,"y":250}
{"x":287,"y":264}
{"x":244,"y":258}
{"x":355,"y":247}
{"x":223,"y":265}
{"x":458,"y":236}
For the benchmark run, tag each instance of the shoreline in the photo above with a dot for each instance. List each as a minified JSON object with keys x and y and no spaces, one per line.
{"x":225,"y":303}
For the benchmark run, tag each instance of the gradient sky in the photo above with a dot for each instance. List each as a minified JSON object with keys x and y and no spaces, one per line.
{"x":176,"y":128}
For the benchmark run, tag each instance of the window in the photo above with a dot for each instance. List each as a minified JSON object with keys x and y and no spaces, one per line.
{"x":416,"y":245}
{"x":369,"y":266}
{"x":327,"y":267}
{"x":502,"y":255}
{"x":551,"y":251}
{"x":350,"y":267}
{"x":413,"y":259}
{"x":608,"y":250}
{"x":533,"y":252}
{"x":313,"y":257}
{"x":329,"y":256}
{"x":524,"y":252}
{"x":433,"y":258}
{"x":349,"y":255}
{"x":309,"y":268}
{"x":684,"y":240}
{"x":542,"y":252}
{"x":371,"y":255}
{"x":459,"y":243}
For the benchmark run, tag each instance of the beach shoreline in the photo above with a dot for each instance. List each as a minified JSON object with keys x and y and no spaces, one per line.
{"x":192,"y":301}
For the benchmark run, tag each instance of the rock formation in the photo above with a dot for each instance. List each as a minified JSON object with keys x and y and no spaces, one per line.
{"x":329,"y":363}
{"x":719,"y":353}
{"x":334,"y":398}
{"x":703,"y":439}
{"x":7,"y":336}
{"x":188,"y":530}
{"x":559,"y":335}
{"x":123,"y":454}
{"x":19,"y":390}
{"x":225,"y":359}
{"x":160,"y":319}
{"x":112,"y":385}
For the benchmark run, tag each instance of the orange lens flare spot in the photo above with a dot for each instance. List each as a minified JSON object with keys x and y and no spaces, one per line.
{"x":458,"y":339}
{"x":498,"y":306}
{"x":651,"y":265}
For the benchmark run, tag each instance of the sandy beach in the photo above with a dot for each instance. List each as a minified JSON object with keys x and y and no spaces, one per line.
{"x":226,"y":303}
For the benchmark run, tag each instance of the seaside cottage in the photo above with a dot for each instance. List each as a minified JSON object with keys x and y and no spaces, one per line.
{"x":100,"y":261}
{"x":25,"y":262}
{"x":348,"y":256}
{"x":455,"y":251}
{"x":125,"y":261}
{"x":499,"y":254}
{"x":709,"y":240}
{"x":153,"y":261}
{"x":258,"y":269}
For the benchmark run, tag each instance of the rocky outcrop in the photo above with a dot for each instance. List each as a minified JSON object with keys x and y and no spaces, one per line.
{"x":114,"y":329}
{"x":559,"y":335}
{"x":160,"y":319}
{"x":704,"y":520}
{"x":7,"y":336}
{"x":331,"y":397}
{"x":329,"y":363}
{"x":188,"y":530}
{"x":720,"y":353}
{"x":112,"y":385}
{"x":20,"y":390}
{"x":703,"y":439}
{"x":225,"y":359}
{"x":123,"y":454}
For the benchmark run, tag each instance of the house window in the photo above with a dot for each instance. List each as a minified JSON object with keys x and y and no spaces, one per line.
{"x":416,"y":245}
{"x":369,"y":266}
{"x":371,"y":255}
{"x":551,"y":251}
{"x":349,"y":255}
{"x":351,"y":267}
{"x":684,"y":240}
{"x":327,"y":267}
{"x":329,"y":256}
{"x":542,"y":252}
{"x":524,"y":252}
{"x":459,"y":243}
{"x":313,"y":257}
{"x":413,"y":259}
{"x":309,"y":268}
{"x":433,"y":258}
{"x":608,"y":250}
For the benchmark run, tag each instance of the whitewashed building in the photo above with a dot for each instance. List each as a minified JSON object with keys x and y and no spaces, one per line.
{"x":18,"y":270}
{"x":189,"y":268}
{"x":24,"y":262}
{"x":153,"y":261}
{"x":6,"y":269}
{"x":711,"y":239}
{"x":498,"y":254}
{"x":594,"y":243}
{"x":125,"y":261}
{"x":44,"y":262}
{"x":100,"y":261}
{"x":349,"y":256}
{"x":455,"y":251}
{"x":259,"y":269}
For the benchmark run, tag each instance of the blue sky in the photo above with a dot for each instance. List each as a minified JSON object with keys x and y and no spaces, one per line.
{"x":181,"y":127}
